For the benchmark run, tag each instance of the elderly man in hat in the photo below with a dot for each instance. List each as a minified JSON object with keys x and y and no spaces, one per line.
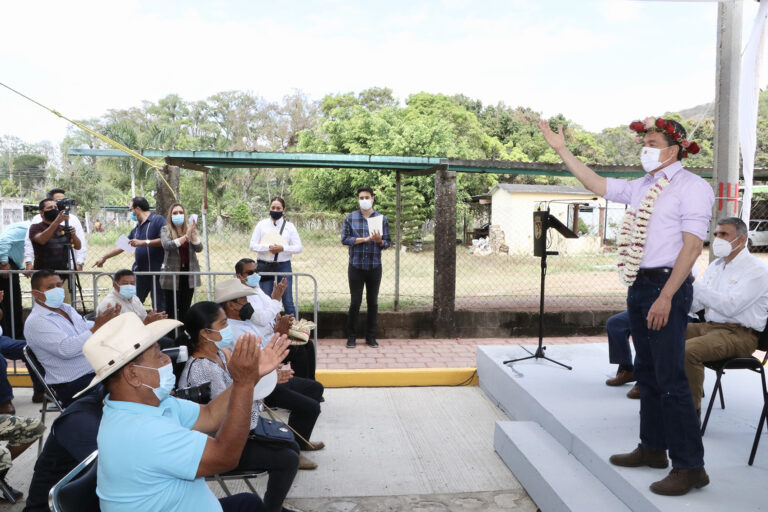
{"x":154,"y":451}
{"x":299,"y":395}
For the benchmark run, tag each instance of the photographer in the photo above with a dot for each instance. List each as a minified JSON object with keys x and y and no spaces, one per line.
{"x":60,"y":197}
{"x":50,"y":240}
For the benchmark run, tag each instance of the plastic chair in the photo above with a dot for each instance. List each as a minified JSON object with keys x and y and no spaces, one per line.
{"x":740,"y":363}
{"x":77,"y":490}
{"x":33,"y":365}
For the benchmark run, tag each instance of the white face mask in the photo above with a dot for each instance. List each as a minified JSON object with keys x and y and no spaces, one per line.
{"x":722,"y":248}
{"x":366,"y":204}
{"x":649,"y":158}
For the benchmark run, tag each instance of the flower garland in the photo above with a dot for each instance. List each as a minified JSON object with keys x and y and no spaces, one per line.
{"x":652,"y":124}
{"x":634,"y":231}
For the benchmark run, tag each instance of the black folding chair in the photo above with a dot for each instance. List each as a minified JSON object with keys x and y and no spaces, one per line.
{"x":236,"y":474}
{"x":34,"y":366}
{"x":77,"y":490}
{"x":740,"y":363}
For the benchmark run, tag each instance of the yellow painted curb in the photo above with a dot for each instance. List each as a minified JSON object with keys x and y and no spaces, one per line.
{"x":20,"y":380}
{"x":397,"y":377}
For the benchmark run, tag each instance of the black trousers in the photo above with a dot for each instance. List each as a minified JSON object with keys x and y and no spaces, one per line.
{"x":280,"y":460}
{"x":243,"y":502}
{"x":184,"y":295}
{"x":302,"y":359}
{"x":66,"y":390}
{"x":302,"y":398}
{"x":371,"y":279}
{"x":5,"y":284}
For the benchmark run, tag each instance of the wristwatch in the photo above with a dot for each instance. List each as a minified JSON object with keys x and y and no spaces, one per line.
{"x":146,"y":242}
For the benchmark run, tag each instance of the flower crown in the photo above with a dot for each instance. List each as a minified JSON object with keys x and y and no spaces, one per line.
{"x":652,"y":124}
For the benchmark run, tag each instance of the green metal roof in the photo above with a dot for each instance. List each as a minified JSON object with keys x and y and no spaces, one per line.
{"x":414,"y":164}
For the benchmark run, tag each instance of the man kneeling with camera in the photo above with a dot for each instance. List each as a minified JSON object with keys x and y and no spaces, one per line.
{"x":154,"y":451}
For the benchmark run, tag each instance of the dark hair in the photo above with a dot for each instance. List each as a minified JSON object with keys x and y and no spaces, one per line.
{"x":366,"y":189}
{"x":122,"y":273}
{"x":200,"y":316}
{"x":738,"y":225}
{"x":42,"y":203}
{"x":39,"y":276}
{"x":282,"y":201}
{"x":55,"y":191}
{"x":671,"y":141}
{"x":141,"y":203}
{"x":240,"y":264}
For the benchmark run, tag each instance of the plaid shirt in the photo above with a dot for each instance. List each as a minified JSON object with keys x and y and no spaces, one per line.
{"x":365,"y":256}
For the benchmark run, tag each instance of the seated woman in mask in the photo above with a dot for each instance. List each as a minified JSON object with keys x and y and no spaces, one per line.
{"x":208,"y":338}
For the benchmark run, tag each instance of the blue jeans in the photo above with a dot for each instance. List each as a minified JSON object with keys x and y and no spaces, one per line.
{"x":618,"y":331}
{"x":267,"y":285}
{"x":668,"y":419}
{"x":12,"y":349}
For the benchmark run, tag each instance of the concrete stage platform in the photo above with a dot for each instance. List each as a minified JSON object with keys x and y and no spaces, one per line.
{"x":565,"y":424}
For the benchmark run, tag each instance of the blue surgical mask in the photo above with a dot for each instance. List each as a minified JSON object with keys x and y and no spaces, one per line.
{"x":177,"y":220}
{"x":54,"y":297}
{"x":253,"y":280}
{"x":132,"y":216}
{"x":275,"y":215}
{"x":167,"y":381}
{"x":227,"y":338}
{"x":127,"y":291}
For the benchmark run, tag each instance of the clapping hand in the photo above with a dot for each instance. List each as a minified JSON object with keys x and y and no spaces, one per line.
{"x":109,"y":313}
{"x":283,"y":324}
{"x":245,"y":363}
{"x":273,"y":354}
{"x":279,"y":289}
{"x":284,"y":374}
{"x":153,"y":316}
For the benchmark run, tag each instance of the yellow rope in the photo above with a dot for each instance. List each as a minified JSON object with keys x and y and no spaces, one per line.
{"x":156,"y":165}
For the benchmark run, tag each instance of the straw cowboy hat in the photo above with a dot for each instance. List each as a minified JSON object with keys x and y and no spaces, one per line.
{"x":119,"y":341}
{"x":231,"y":289}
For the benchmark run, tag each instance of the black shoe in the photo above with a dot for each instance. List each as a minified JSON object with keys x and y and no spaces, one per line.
{"x":351,"y":343}
{"x":371,"y":342}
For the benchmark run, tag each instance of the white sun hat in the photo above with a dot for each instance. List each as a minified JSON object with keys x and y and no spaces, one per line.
{"x":119,"y":341}
{"x":231,"y":289}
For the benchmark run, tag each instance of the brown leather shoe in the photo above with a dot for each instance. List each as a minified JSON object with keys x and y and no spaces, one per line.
{"x":313,"y":446}
{"x":37,"y":397}
{"x":640,"y":457}
{"x":680,"y":481}
{"x":621,"y":378}
{"x":305,"y":463}
{"x":634,"y":393}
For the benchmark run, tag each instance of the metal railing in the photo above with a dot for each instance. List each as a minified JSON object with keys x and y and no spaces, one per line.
{"x":94,"y":291}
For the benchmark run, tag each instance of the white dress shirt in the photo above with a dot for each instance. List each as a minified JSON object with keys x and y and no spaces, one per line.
{"x":126,"y":306}
{"x":80,"y":254}
{"x":240,"y":327}
{"x":734,"y":293}
{"x":292,"y":241}
{"x":265,"y":309}
{"x":58,"y":343}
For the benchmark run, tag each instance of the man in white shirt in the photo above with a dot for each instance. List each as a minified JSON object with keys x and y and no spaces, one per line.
{"x":56,"y":332}
{"x":265,"y":308}
{"x":733,"y":292}
{"x":80,"y":254}
{"x":123,"y":293}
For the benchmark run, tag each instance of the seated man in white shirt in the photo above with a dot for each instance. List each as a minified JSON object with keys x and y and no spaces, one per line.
{"x":733,"y":292}
{"x":265,"y":314}
{"x":56,"y":332}
{"x":123,"y":293}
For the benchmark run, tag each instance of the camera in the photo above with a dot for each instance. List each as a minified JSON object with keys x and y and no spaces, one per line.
{"x":65,"y":203}
{"x":200,"y":394}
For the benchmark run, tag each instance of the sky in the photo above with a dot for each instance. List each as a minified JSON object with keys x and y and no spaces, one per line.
{"x":601,"y":63}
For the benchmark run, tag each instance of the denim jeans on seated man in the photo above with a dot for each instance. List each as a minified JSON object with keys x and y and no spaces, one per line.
{"x":14,"y":350}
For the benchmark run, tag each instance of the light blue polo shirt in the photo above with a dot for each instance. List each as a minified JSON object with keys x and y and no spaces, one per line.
{"x":148,"y":458}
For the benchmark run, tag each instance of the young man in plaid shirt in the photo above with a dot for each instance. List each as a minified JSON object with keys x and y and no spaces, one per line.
{"x":364,"y":264}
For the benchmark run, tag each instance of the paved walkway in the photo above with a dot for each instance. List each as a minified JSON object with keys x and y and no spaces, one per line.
{"x":422,"y":353}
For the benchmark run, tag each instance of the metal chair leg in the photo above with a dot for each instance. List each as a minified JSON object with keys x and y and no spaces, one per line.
{"x":717,"y":388}
{"x":222,"y":484}
{"x":6,"y":490}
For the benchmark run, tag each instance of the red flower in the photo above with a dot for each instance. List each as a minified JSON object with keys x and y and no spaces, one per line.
{"x":637,"y":126}
{"x":686,"y":143}
{"x":669,"y":128}
{"x":685,"y":154}
{"x":693,"y":148}
{"x":675,"y":135}
{"x":660,"y":123}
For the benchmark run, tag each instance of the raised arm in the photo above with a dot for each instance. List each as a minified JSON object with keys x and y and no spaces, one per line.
{"x":580,"y":171}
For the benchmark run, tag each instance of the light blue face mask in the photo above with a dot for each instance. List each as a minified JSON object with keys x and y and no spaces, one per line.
{"x":54,"y":297}
{"x":227,"y":338}
{"x":253,"y":280}
{"x":177,"y":220}
{"x":127,"y":291}
{"x":167,"y":380}
{"x":132,"y":216}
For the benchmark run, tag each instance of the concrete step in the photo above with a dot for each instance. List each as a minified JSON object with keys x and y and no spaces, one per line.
{"x":554,"y":478}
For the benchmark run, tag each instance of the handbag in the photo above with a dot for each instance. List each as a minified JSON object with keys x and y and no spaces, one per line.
{"x":271,"y":430}
{"x":269,"y":266}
